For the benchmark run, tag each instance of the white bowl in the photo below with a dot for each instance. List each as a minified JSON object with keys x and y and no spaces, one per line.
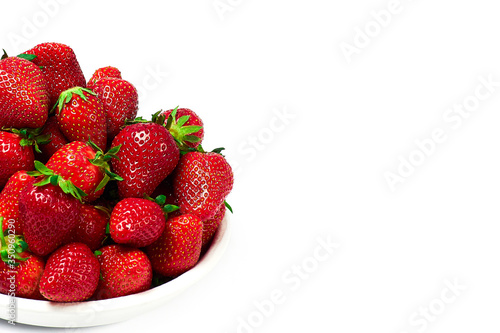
{"x":94,"y":313}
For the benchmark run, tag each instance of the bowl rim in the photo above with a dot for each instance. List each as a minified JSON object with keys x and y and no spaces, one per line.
{"x":108,"y":311}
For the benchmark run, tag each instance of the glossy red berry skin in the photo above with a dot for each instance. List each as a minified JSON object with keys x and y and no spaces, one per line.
{"x":178,"y":248}
{"x":124,"y":270}
{"x":136,"y":222}
{"x":24,"y":101}
{"x":14,"y":156}
{"x":148,"y":154}
{"x":71,"y":274}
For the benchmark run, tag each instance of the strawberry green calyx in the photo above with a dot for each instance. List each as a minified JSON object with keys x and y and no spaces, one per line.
{"x":228,"y":206}
{"x":180,"y":131}
{"x":160,"y":201}
{"x":50,"y":178}
{"x":67,"y":95}
{"x":177,"y":128}
{"x":30,"y":137}
{"x":101,"y":160}
{"x":12,"y":247}
{"x":29,"y":57}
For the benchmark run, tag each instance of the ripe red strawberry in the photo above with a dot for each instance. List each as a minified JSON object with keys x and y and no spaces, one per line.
{"x":55,"y":140}
{"x":81,"y":116}
{"x":210,"y":226}
{"x":136,"y":222}
{"x":104,"y":72}
{"x":120,"y":100}
{"x":85,"y":165}
{"x":91,"y":228}
{"x":185,"y":126}
{"x":71,"y":274}
{"x":23,"y":94}
{"x":148,"y":154}
{"x":179,"y":247}
{"x":60,"y":68}
{"x":20,"y":271}
{"x":124,"y":271}
{"x":202,"y":181}
{"x":48,"y":215}
{"x":16,"y":153}
{"x":9,"y":200}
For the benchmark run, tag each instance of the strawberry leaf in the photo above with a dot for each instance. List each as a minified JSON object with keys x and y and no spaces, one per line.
{"x":45,"y":181}
{"x":4,"y":55}
{"x":182,"y":120}
{"x":170,"y":208}
{"x":54,"y":180}
{"x":228,"y":206}
{"x":94,"y":146}
{"x":39,"y":166}
{"x":103,"y":183}
{"x":114,"y":150}
{"x":218,"y":150}
{"x":190,"y":129}
{"x":161,"y":199}
{"x":191,"y":138}
{"x":29,"y":57}
{"x":69,"y":188}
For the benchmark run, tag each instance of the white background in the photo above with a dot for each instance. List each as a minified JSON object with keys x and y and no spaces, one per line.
{"x":312,"y":134}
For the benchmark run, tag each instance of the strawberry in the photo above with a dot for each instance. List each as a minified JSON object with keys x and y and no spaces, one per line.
{"x":81,"y":116}
{"x":124,"y":271}
{"x":138,"y":222}
{"x":85,"y":165}
{"x":9,"y":200}
{"x":60,"y":68}
{"x":185,"y":126}
{"x":16,"y":153}
{"x":104,"y":72}
{"x":148,"y":154}
{"x":23,"y":94}
{"x":91,"y":228}
{"x":210,"y":226}
{"x":55,"y":139}
{"x":47,"y":214}
{"x":178,"y":248}
{"x":71,"y":274}
{"x":20,"y":271}
{"x":120,"y":99}
{"x":202,"y":181}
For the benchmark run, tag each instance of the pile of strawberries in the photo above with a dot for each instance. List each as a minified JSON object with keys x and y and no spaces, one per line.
{"x":96,"y":202}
